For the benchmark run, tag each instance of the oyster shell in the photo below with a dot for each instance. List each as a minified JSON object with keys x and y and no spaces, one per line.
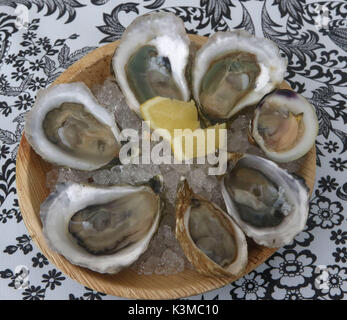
{"x":233,"y":70}
{"x":210,"y":239}
{"x":285,"y":125}
{"x":151,"y":59}
{"x":103,"y":228}
{"x":68,"y":127}
{"x":269,"y":204}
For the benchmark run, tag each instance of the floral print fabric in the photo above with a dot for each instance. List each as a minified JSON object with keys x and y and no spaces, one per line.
{"x":311,"y":34}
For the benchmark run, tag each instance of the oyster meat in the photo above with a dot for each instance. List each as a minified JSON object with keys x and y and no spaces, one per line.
{"x":233,"y":70}
{"x":269,"y":204}
{"x":103,"y":228}
{"x":284,"y":126}
{"x":68,"y":127}
{"x":210,"y":239}
{"x":151,"y":59}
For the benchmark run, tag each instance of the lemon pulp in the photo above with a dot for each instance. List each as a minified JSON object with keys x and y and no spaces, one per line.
{"x":188,"y":140}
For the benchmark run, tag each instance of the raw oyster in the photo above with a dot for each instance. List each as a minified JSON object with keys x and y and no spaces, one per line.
{"x":269,"y":204}
{"x":68,"y":127}
{"x":210,"y":239}
{"x":103,"y":228}
{"x":284,"y":126}
{"x":233,"y":70}
{"x":151,"y":59}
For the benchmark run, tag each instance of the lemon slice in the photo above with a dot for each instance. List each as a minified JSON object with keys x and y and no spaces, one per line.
{"x":170,"y":114}
{"x":199,"y":143}
{"x":180,"y":119}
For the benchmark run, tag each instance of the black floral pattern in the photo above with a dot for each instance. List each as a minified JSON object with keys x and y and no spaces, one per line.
{"x":39,"y":261}
{"x":316,"y":49}
{"x":217,"y":9}
{"x":7,"y":177}
{"x":325,"y":213}
{"x":331,"y":146}
{"x":4,"y":151}
{"x":292,"y":276}
{"x":291,"y":269}
{"x":113,"y":27}
{"x":301,"y":293}
{"x":90,"y":294}
{"x":5,"y":215}
{"x":342,"y":192}
{"x":340,"y":255}
{"x":19,"y":278}
{"x":327,"y":184}
{"x":336,"y":283}
{"x":34,"y":293}
{"x":250,"y":287}
{"x":339,"y":236}
{"x":51,"y":6}
{"x":338,"y":164}
{"x":53,"y":279}
{"x":23,"y":244}
{"x":20,"y":74}
{"x":25,"y":101}
{"x":9,"y":214}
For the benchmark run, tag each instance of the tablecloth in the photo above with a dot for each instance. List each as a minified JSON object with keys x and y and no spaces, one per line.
{"x":39,"y":43}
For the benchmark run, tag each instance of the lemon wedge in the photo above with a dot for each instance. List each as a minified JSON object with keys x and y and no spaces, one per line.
{"x":188,"y":140}
{"x":170,"y":114}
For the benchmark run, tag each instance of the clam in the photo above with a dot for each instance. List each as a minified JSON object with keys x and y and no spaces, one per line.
{"x":151,"y":59}
{"x":103,"y":228}
{"x":211,"y":241}
{"x":233,"y":70}
{"x":284,"y":126}
{"x":68,"y":127}
{"x":269,"y":204}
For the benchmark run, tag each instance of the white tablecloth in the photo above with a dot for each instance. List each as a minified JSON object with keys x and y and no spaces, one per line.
{"x":312,"y":34}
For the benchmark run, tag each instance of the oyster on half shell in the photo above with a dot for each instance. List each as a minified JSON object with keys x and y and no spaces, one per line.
{"x":269,"y":204}
{"x":151,"y":59}
{"x":284,"y":126}
{"x":233,"y":70}
{"x":68,"y":127}
{"x":103,"y":228}
{"x":211,"y":241}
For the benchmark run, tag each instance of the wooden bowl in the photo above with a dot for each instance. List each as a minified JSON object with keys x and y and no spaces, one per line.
{"x":31,"y":173}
